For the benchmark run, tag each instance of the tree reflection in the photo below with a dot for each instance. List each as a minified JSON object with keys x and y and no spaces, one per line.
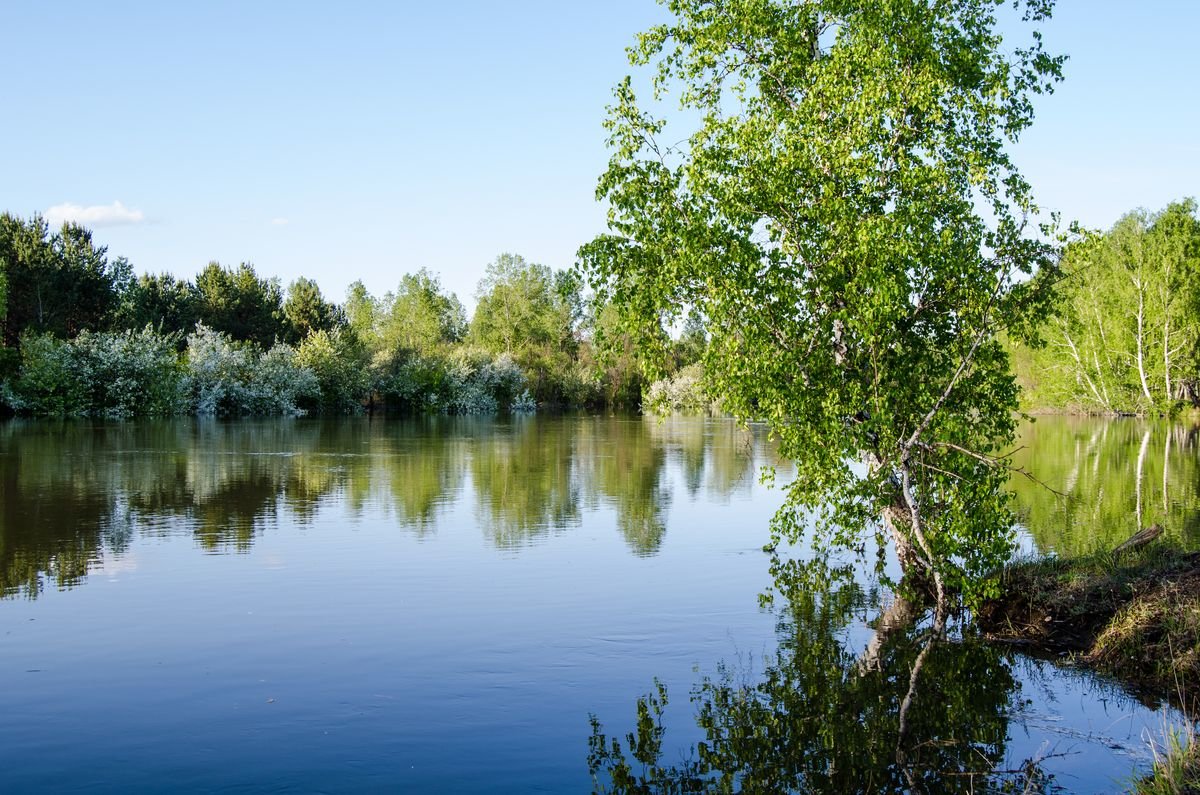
{"x":73,"y":492}
{"x":1114,"y":477}
{"x":524,"y":480}
{"x":422,"y":462}
{"x":623,"y":467}
{"x":928,"y":716}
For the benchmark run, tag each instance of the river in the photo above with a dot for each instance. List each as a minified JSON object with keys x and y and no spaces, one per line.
{"x":439,"y":604}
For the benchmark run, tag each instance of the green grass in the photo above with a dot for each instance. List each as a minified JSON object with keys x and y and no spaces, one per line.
{"x":1176,"y":766}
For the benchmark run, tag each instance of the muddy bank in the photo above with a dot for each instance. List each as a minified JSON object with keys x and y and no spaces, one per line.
{"x":1134,"y":616}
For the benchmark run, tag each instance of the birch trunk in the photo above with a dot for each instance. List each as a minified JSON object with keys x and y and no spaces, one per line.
{"x":1141,"y":342}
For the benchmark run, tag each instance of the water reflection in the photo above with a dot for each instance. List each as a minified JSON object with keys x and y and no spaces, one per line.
{"x":70,"y":493}
{"x":924,"y":715}
{"x":1112,"y":478}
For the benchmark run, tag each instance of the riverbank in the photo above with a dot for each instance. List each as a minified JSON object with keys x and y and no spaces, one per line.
{"x":1134,"y":616}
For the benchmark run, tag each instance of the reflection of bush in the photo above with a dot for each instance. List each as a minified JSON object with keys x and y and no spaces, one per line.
{"x":71,"y":492}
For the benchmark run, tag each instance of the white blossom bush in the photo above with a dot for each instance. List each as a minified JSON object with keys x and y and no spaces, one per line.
{"x":131,"y":373}
{"x":228,"y":378}
{"x":683,"y":392}
{"x":218,"y":372}
{"x":280,"y":382}
{"x":468,"y":387}
{"x":479,"y":384}
{"x":117,"y":375}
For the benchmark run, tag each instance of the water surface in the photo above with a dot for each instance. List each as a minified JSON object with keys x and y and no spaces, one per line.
{"x":440,"y":604}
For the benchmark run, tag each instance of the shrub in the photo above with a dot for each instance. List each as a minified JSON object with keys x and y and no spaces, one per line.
{"x":130,"y":373}
{"x":52,"y":382}
{"x":281,"y":382}
{"x":227,"y":378}
{"x":682,"y":392}
{"x":218,"y":372}
{"x":116,"y":375}
{"x":339,"y":370}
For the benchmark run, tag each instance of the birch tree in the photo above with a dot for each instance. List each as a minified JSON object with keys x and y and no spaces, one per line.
{"x":843,"y":209}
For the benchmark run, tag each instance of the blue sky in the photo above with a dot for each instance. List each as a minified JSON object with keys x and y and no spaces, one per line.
{"x":366,"y":140}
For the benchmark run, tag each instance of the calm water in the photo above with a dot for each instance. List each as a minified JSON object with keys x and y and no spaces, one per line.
{"x":439,"y":604}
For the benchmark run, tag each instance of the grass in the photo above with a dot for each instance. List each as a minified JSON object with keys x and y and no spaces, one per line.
{"x":1176,"y":766}
{"x":1134,"y":616}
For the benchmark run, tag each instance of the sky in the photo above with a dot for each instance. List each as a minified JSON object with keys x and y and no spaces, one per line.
{"x":358,"y":140}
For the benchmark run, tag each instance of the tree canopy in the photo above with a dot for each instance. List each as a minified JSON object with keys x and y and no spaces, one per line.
{"x":529,"y":311}
{"x":58,"y":283}
{"x":846,"y":216}
{"x":237,"y":302}
{"x":1127,"y":338}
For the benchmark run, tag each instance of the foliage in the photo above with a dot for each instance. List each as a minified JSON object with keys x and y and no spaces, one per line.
{"x":620,"y":363}
{"x":478,"y":384}
{"x":847,"y":219}
{"x":103,"y":374}
{"x":51,"y":382}
{"x":238,"y":303}
{"x":229,"y":378}
{"x":281,"y":383}
{"x":419,"y":317}
{"x":339,"y":368}
{"x":56,"y":283}
{"x":306,"y":311}
{"x":1127,"y":338}
{"x":528,"y":312}
{"x":161,"y":301}
{"x":683,"y":392}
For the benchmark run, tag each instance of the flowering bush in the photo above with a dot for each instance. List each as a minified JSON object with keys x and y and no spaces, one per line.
{"x":682,"y":392}
{"x":227,"y":378}
{"x":281,"y":382}
{"x":116,"y":375}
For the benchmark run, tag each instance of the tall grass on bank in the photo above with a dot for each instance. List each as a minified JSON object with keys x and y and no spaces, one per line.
{"x":1176,"y":765}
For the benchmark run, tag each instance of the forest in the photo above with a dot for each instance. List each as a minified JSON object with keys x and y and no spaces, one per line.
{"x":83,"y":335}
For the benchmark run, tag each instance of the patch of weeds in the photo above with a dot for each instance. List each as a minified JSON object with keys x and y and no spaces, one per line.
{"x":1176,"y":766}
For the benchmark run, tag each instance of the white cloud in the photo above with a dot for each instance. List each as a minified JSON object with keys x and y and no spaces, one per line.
{"x":97,"y":215}
{"x":279,"y":222}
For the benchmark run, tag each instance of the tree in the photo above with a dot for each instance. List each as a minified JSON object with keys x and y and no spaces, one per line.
{"x":846,"y":216}
{"x":240,"y":304}
{"x":420,"y":318}
{"x":57,"y":283}
{"x":161,"y":301}
{"x":307,"y":311}
{"x":1127,"y":336}
{"x":526,"y":310}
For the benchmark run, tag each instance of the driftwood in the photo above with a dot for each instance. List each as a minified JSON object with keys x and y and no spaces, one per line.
{"x":1140,"y":539}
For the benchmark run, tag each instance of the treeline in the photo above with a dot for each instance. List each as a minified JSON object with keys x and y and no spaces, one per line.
{"x":82,"y":335}
{"x":1126,"y":337}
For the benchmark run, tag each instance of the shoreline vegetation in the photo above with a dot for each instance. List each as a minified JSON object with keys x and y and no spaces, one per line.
{"x":82,"y":336}
{"x":1132,"y":615}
